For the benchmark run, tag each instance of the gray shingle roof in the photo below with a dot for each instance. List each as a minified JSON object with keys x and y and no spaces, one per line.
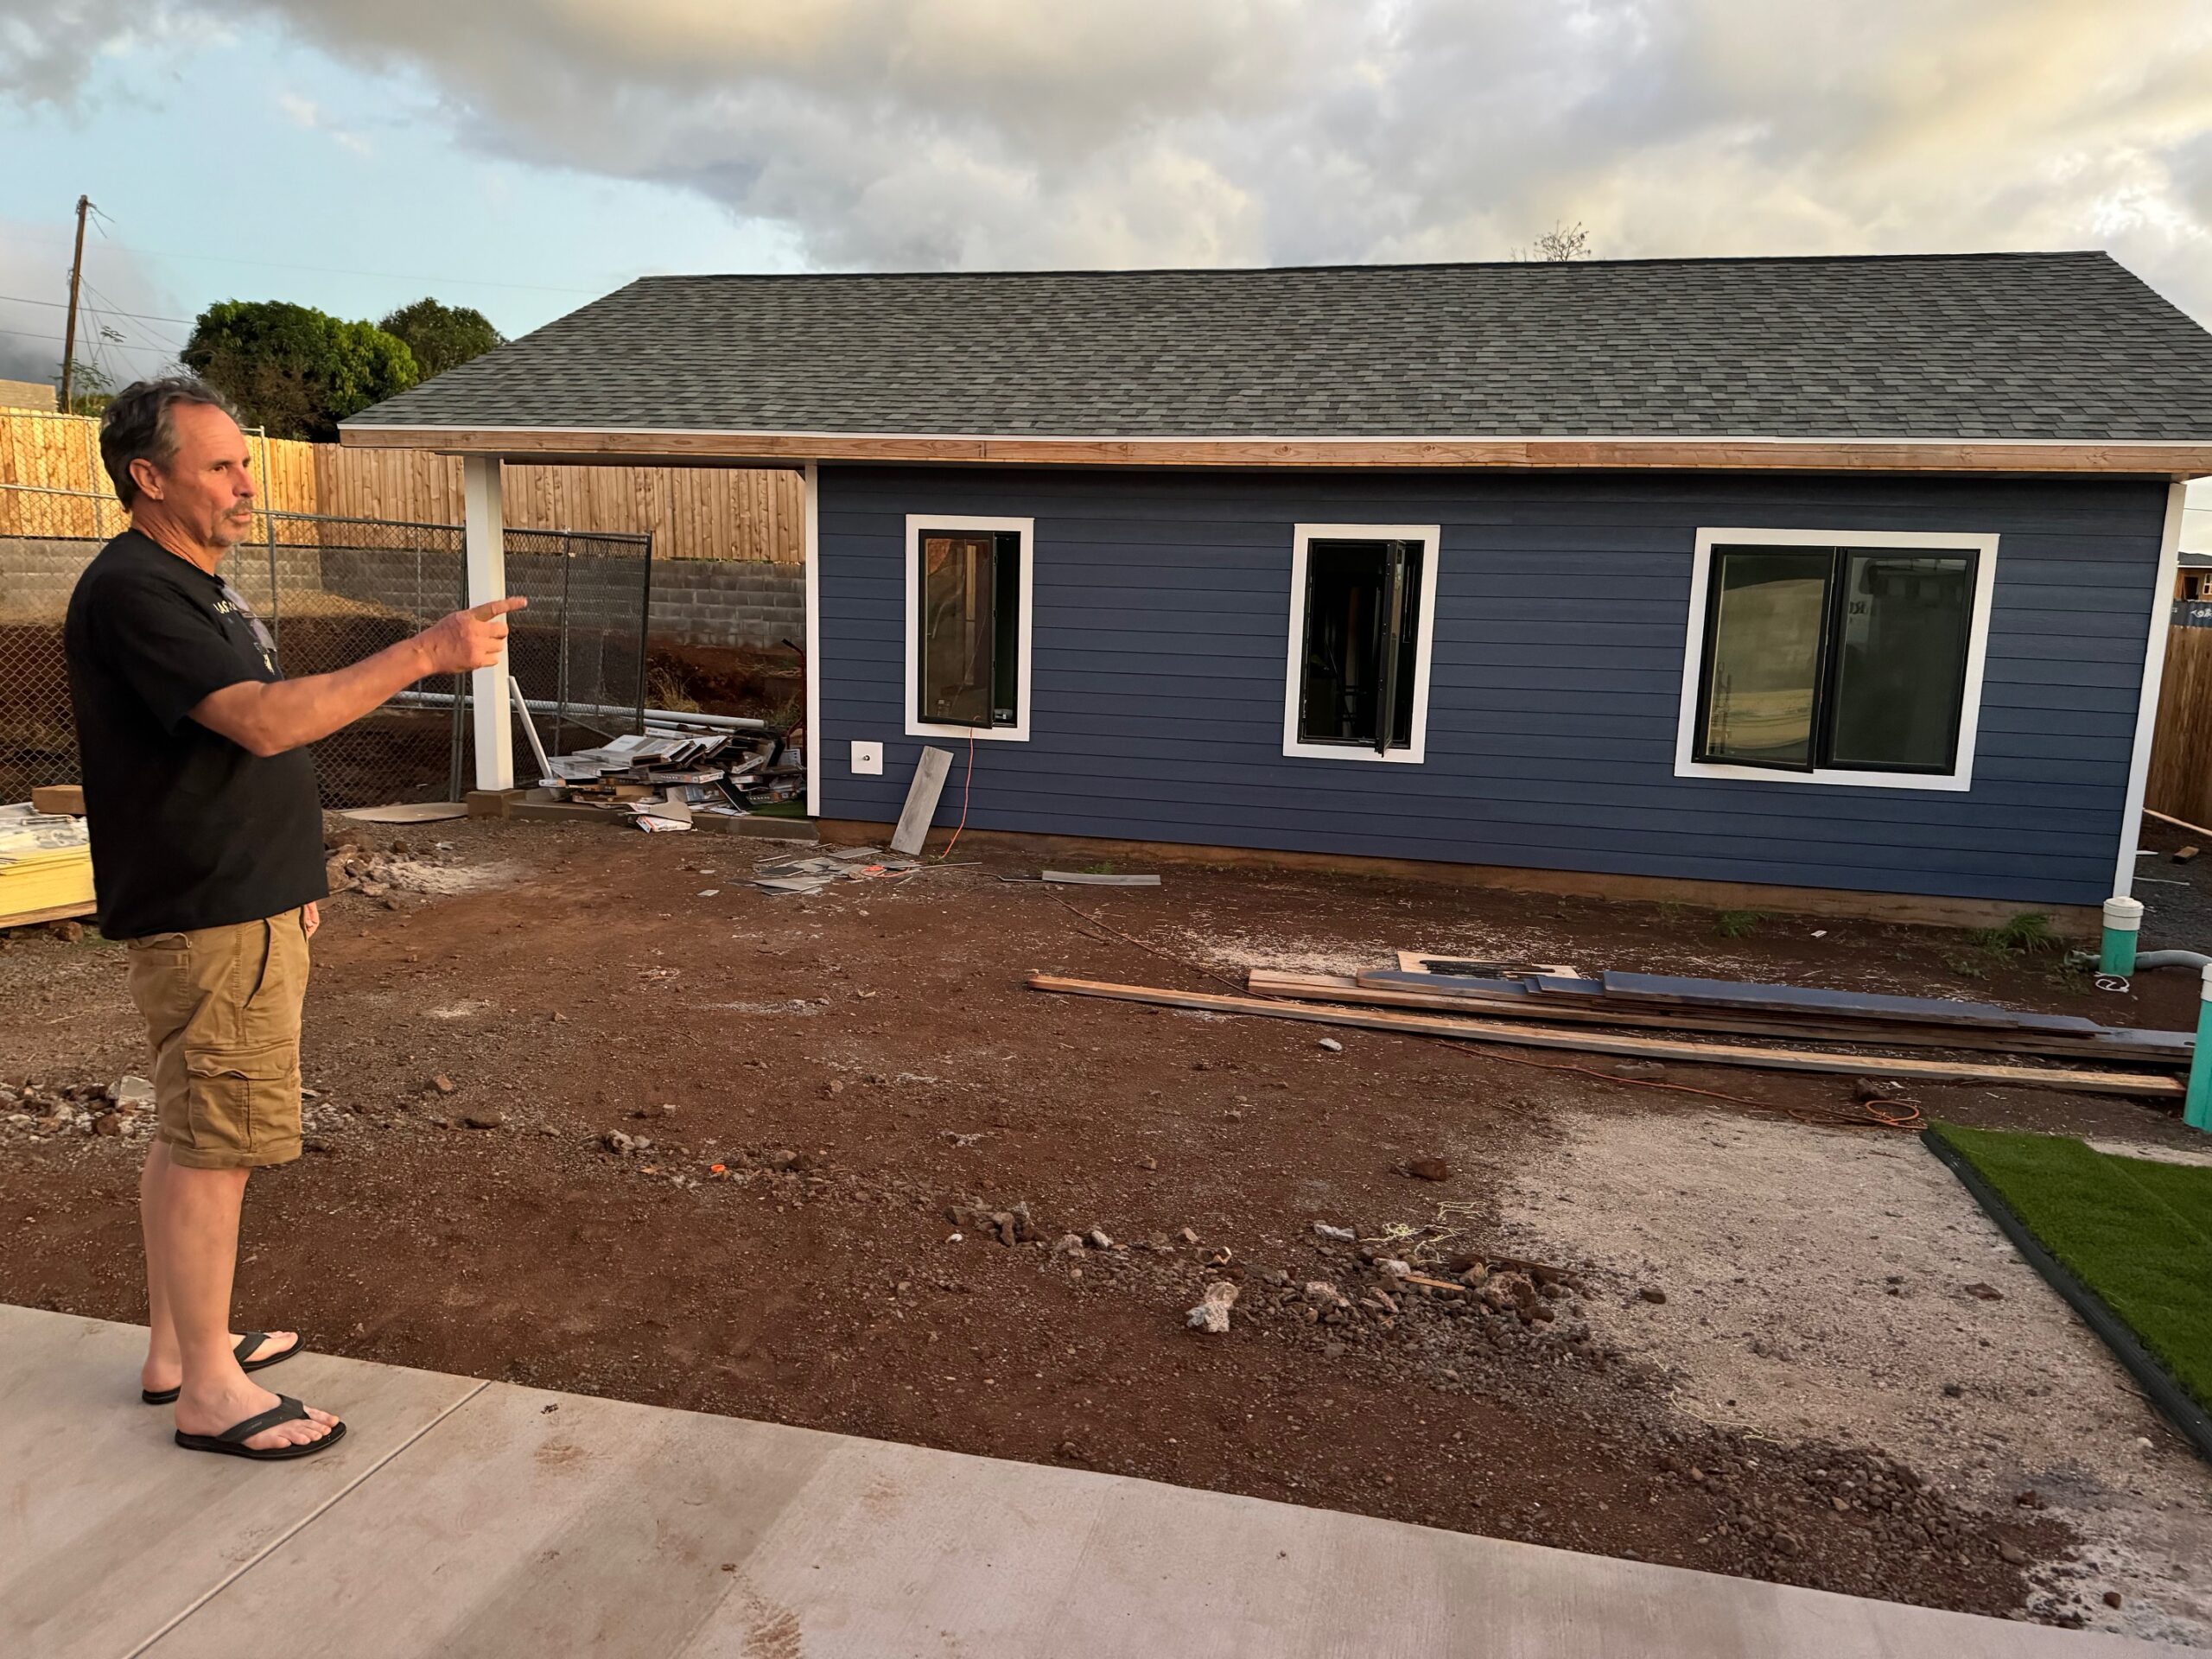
{"x":2036,"y":346}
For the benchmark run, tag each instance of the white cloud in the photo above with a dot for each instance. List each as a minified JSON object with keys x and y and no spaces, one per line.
{"x":305,"y":112}
{"x":964,"y":133}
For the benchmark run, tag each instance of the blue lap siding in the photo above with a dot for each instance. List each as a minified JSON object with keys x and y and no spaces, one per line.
{"x":1161,"y":625}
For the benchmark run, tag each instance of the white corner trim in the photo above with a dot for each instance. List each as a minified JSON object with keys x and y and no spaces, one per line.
{"x":1961,"y":777}
{"x":1430,"y":536}
{"x":2154,"y":673}
{"x":1026,"y":529}
{"x":810,"y":551}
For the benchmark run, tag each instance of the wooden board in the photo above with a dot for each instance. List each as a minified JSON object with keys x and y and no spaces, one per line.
{"x":2116,"y":1045}
{"x":1640,"y":1048}
{"x":1832,"y":1005}
{"x":52,"y":913}
{"x":930,"y":772}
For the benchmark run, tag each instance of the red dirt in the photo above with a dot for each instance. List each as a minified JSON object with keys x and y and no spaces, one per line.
{"x":882,"y":1034}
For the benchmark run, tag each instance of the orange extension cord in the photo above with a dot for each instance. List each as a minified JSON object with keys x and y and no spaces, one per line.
{"x":967,"y":787}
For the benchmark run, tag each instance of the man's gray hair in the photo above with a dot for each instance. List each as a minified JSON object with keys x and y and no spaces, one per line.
{"x":135,"y":426}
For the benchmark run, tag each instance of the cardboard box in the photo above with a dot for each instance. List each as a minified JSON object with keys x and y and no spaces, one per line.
{"x":58,"y":797}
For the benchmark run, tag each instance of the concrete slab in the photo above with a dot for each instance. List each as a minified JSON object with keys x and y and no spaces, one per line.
{"x":467,"y":1520}
{"x":626,"y":1531}
{"x":108,"y":1531}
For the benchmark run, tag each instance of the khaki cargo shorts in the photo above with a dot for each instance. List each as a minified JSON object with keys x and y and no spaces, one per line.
{"x":222,"y":1011}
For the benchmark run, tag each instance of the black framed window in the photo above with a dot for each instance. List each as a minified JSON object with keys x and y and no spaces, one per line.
{"x":1853,"y":659}
{"x":967,"y":658}
{"x":1362,"y":642}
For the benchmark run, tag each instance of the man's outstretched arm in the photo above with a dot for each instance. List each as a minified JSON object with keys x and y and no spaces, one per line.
{"x":270,"y":717}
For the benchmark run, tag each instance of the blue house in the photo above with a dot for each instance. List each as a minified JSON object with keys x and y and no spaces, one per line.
{"x":1832,"y":584}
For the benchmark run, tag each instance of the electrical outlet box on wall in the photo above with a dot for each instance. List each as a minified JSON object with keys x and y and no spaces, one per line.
{"x":867,"y":759}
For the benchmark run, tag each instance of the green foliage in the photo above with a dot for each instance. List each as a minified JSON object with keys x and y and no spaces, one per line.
{"x":292,"y":370}
{"x":2137,"y":1234}
{"x":2029,"y":933}
{"x":441,"y":336}
{"x":1966,"y":967}
{"x":1737,"y":924}
{"x":1104,"y":867}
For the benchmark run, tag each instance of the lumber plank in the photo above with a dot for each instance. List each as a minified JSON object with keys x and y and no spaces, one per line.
{"x":930,"y":772}
{"x":2165,"y":1048}
{"x":1803,"y":999}
{"x":1641,"y":1048}
{"x":52,"y":913}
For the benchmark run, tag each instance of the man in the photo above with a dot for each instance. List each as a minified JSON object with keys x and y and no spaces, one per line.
{"x":208,"y":860}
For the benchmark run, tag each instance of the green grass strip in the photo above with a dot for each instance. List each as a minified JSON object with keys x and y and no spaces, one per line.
{"x":2136,"y":1233}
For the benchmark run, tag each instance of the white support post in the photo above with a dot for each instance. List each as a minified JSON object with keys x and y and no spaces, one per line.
{"x":2146,"y":708}
{"x":813,"y":518}
{"x":485,"y":529}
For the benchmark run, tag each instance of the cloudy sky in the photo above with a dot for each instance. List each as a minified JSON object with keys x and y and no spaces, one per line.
{"x":522,"y":156}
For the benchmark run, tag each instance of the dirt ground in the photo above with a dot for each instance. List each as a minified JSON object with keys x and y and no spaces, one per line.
{"x":1739,"y":1354}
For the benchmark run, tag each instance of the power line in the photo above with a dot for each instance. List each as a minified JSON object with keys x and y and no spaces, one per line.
{"x":24,"y":333}
{"x":113,"y":310}
{"x":333,"y":270}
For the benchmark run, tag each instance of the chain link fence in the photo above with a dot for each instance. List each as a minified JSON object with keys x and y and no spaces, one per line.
{"x":334,"y":590}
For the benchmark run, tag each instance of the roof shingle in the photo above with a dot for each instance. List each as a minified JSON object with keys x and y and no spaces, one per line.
{"x":2062,"y":347}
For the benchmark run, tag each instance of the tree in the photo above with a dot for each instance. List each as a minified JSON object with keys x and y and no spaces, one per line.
{"x":292,"y":369}
{"x":1559,"y":244}
{"x":441,"y":336}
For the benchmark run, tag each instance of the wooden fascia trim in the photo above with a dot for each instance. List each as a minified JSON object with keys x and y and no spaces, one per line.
{"x":586,"y":445}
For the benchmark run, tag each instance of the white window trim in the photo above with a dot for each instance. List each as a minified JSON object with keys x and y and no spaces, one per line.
{"x":1430,"y":536}
{"x":1960,"y":777}
{"x":1026,"y":529}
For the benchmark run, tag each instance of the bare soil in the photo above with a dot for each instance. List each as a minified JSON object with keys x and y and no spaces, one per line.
{"x":873,"y":1078}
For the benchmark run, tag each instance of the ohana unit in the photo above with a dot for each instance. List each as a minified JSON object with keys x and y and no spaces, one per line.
{"x":1836,"y":582}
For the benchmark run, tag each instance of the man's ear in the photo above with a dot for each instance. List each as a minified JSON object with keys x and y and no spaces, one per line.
{"x":147,"y":476}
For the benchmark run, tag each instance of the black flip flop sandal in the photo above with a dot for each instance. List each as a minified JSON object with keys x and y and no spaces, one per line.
{"x":232,"y":1440}
{"x":247,"y":1343}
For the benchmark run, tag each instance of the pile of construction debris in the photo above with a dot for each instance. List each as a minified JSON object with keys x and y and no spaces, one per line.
{"x":678,"y":767}
{"x":1641,"y":1020}
{"x":811,"y":874}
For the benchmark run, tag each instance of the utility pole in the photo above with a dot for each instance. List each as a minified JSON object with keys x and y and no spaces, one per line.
{"x":69,"y":332}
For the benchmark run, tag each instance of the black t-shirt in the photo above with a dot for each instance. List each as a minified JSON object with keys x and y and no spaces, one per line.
{"x":188,"y":829}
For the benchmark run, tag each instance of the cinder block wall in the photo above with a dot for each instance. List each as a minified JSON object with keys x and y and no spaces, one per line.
{"x":729,"y":602}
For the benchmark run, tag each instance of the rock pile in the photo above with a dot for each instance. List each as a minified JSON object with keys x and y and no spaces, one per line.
{"x":122,"y":1109}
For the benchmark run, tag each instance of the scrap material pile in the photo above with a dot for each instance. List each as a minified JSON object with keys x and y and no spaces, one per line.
{"x":46,"y":866}
{"x":811,"y":874}
{"x":664,"y":776}
{"x":1542,"y":1006}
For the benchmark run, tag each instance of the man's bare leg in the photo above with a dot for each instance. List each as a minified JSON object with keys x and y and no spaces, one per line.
{"x":195,"y":1238}
{"x":164,"y":1367}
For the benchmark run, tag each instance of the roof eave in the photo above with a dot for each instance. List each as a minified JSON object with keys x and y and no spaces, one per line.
{"x":637,"y":444}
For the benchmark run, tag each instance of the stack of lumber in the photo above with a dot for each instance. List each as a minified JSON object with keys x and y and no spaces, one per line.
{"x":1555,"y":1011}
{"x":46,"y":868}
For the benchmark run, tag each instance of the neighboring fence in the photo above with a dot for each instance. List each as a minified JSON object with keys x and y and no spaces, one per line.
{"x":2181,"y":753}
{"x":704,"y":512}
{"x":334,"y":590}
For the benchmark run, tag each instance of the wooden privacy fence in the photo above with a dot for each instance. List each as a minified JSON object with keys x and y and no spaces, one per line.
{"x":701,"y":513}
{"x":2181,"y":753}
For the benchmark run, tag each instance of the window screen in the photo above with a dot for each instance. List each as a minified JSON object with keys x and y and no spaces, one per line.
{"x":1836,"y":656}
{"x":969,"y":622}
{"x":1363,"y":612}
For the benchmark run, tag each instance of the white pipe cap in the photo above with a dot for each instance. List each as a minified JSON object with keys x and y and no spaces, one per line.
{"x":2124,"y":915}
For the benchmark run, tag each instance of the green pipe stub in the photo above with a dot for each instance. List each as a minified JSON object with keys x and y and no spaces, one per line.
{"x":2123,"y":922}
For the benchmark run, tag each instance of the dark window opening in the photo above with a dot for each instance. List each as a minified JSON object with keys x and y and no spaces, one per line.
{"x":1836,"y":656}
{"x":1363,"y":638}
{"x":968,"y":663}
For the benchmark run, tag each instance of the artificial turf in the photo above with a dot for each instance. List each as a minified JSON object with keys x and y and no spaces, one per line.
{"x":2135,"y":1233}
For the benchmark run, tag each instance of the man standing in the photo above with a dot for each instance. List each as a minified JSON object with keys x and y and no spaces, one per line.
{"x":208,"y":860}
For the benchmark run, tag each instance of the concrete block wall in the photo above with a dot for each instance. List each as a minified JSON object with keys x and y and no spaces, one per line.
{"x":729,"y":602}
{"x":38,"y":572}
